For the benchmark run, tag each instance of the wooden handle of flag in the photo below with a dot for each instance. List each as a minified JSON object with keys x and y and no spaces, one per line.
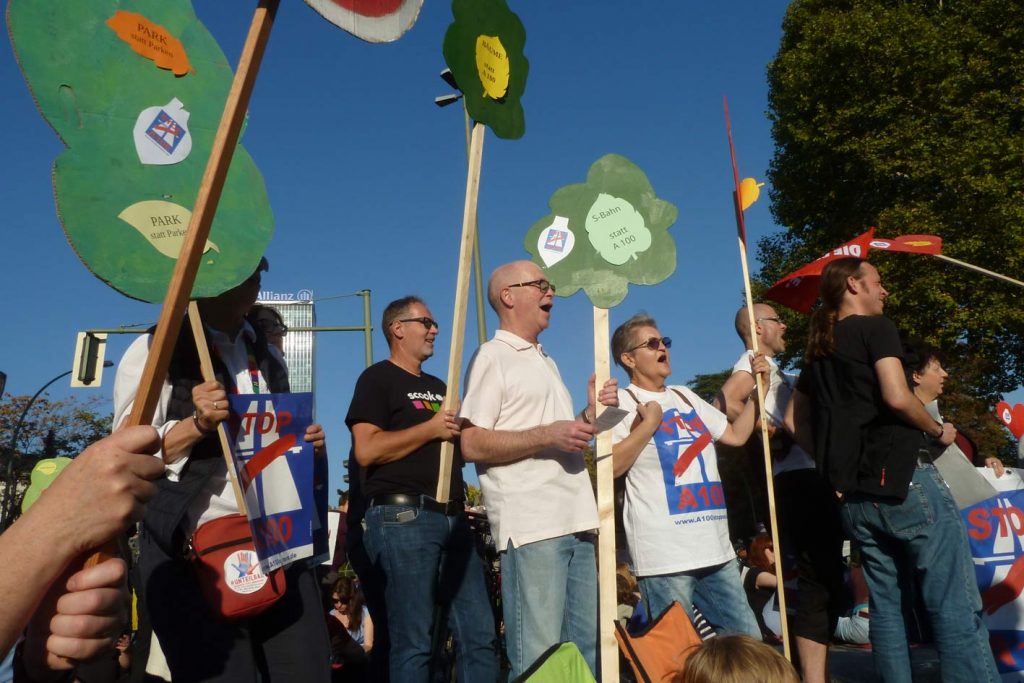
{"x":476,"y":150}
{"x":741,"y":228}
{"x":184,"y":276}
{"x":206,"y":367}
{"x":607,"y":589}
{"x":978,"y":269}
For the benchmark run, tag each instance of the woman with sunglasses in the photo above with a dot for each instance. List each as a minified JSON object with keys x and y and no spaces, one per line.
{"x":674,"y":512}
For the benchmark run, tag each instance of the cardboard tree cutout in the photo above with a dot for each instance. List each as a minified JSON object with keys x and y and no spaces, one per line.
{"x":605,"y":233}
{"x":135,"y":90}
{"x":600,"y":236}
{"x":484,"y":50}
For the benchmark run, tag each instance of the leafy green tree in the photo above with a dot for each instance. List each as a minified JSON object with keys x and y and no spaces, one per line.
{"x":909,"y":116}
{"x":51,"y":429}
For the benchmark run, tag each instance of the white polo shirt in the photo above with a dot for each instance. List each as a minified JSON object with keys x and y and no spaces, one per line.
{"x":513,"y":385}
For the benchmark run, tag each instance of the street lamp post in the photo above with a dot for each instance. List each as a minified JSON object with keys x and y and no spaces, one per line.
{"x":9,"y":488}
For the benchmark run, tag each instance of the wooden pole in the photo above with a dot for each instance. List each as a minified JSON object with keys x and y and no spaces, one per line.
{"x":187,"y":265}
{"x":476,"y":149}
{"x":607,"y":593}
{"x":206,"y":368}
{"x":978,"y":269}
{"x":737,"y":198}
{"x":478,"y":275}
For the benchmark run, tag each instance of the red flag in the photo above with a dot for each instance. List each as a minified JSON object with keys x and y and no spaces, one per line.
{"x":375,"y":21}
{"x":915,"y":244}
{"x":737,"y":196}
{"x":799,"y":289}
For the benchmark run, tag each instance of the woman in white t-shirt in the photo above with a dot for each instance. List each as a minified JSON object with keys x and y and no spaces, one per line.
{"x":674,"y":512}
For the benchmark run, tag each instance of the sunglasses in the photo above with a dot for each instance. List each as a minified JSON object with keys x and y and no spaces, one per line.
{"x":542,"y":285}
{"x":272,"y":326}
{"x":654,"y":343}
{"x":773,"y":318}
{"x":426,"y":322}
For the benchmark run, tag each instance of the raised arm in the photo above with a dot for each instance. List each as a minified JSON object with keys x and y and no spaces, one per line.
{"x":734,"y":394}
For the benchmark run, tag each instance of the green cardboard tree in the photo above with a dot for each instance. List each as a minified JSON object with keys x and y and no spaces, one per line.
{"x":605,"y":233}
{"x":135,"y":90}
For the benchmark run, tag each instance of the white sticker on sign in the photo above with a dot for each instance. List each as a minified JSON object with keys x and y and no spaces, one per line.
{"x":161,"y":134}
{"x":555,"y":241}
{"x":242,"y":572}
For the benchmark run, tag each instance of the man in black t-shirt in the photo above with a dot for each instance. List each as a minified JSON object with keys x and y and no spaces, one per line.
{"x":423,"y":547}
{"x":870,"y":438}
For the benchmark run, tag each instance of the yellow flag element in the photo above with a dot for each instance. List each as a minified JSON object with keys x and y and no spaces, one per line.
{"x":150,"y":40}
{"x":750,"y":190}
{"x":492,"y":65}
{"x":163,"y":224}
{"x":919,"y":243}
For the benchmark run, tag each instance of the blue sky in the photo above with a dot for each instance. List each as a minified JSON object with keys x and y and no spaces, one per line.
{"x":366,"y":178}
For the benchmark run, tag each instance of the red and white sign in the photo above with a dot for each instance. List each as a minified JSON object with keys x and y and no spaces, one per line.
{"x":375,"y":21}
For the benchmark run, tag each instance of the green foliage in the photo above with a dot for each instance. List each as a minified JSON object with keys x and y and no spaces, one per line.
{"x":909,"y":116}
{"x":707,"y":386}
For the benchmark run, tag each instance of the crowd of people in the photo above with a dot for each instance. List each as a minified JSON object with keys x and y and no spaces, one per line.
{"x":851,"y":440}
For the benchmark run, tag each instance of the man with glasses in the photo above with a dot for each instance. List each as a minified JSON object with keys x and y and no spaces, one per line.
{"x":812,"y":535}
{"x":423,"y":548}
{"x":520,"y":429}
{"x":674,"y":512}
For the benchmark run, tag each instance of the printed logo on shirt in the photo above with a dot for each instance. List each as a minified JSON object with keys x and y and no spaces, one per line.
{"x":691,"y":483}
{"x":426,"y":400}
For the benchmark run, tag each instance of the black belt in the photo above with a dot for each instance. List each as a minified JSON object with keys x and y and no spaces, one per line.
{"x":421,"y":502}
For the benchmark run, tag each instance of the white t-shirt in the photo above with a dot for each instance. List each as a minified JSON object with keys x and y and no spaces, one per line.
{"x":674,"y":512}
{"x":777,"y":396}
{"x":513,"y":385}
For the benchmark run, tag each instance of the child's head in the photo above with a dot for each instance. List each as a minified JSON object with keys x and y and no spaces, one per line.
{"x":762,"y":553}
{"x":736,"y":659}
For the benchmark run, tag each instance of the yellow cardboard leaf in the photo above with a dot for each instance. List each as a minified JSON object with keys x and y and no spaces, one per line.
{"x":492,"y":65}
{"x":750,"y":190}
{"x":150,"y":40}
{"x":163,"y":224}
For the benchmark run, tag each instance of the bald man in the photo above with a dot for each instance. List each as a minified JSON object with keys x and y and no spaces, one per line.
{"x":808,"y":513}
{"x":520,"y":429}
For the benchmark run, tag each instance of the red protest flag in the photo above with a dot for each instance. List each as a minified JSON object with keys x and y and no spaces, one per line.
{"x":799,"y":289}
{"x":915,"y":244}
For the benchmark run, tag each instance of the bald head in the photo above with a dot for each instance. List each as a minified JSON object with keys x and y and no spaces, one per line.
{"x":770,"y":329}
{"x":510,"y":274}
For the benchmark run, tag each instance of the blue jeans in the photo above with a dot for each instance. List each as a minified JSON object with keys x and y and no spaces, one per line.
{"x":717,"y":591}
{"x":921,"y":536}
{"x":549,"y":595}
{"x":429,"y":558}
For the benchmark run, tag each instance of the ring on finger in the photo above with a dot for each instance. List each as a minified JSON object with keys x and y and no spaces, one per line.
{"x":216,"y":406}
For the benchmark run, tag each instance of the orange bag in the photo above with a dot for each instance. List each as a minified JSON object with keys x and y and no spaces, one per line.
{"x":660,"y":652}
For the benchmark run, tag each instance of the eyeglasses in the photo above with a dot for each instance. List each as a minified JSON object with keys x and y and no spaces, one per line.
{"x":335,"y":599}
{"x":773,"y":318}
{"x":654,"y":343}
{"x":425,"y":321}
{"x":542,"y":285}
{"x":272,"y":326}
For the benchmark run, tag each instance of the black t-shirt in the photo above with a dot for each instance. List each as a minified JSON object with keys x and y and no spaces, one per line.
{"x":861,"y":445}
{"x":391,"y":398}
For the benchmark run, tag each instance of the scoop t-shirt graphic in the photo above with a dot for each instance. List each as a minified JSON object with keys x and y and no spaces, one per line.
{"x":674,"y":511}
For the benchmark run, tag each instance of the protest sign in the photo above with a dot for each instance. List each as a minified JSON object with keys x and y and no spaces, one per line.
{"x":274,"y":466}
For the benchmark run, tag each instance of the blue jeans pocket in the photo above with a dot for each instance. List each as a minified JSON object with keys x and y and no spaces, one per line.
{"x":396,"y":515}
{"x":906,"y":519}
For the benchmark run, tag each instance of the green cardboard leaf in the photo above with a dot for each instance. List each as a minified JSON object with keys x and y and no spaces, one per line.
{"x":606,"y":233}
{"x":43,"y":474}
{"x":484,"y":49}
{"x":129,"y":146}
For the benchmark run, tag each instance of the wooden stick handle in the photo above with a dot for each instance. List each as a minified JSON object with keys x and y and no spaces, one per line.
{"x":769,"y":478}
{"x":978,"y":269}
{"x":206,"y":367}
{"x":607,"y":589}
{"x":476,"y":150}
{"x":187,"y":265}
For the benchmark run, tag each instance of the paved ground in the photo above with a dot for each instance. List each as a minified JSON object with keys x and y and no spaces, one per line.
{"x":848,"y":664}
